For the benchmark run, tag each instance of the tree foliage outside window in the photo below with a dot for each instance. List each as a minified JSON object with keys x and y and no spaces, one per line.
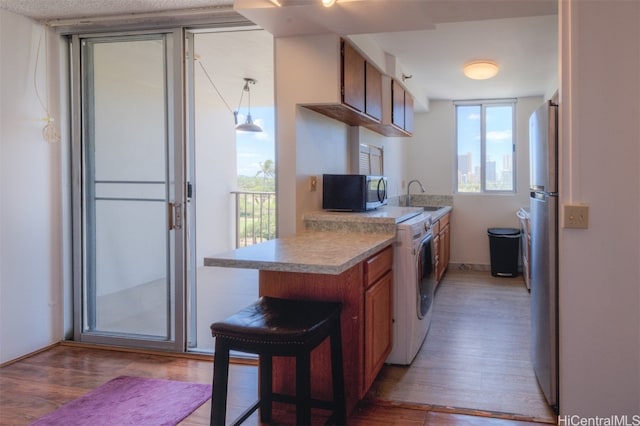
{"x":256,"y":206}
{"x":485,"y":146}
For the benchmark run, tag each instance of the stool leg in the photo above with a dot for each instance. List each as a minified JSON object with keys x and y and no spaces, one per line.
{"x":303,"y":388}
{"x":220,"y":378}
{"x":339,"y":404}
{"x":266,"y":388}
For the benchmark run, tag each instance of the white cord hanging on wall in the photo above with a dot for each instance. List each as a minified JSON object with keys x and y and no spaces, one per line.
{"x":49,"y":132}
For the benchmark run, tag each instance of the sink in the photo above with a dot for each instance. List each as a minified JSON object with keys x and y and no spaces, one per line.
{"x":431,"y":208}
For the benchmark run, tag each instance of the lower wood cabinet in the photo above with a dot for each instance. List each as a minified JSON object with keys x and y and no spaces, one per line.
{"x":366,"y":292}
{"x":378,"y":314}
{"x":442,"y":244}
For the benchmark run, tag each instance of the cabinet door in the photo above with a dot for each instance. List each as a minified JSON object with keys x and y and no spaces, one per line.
{"x":446,"y":246}
{"x":377,"y":326}
{"x":353,"y":71}
{"x":441,"y":255}
{"x":437,"y":251}
{"x":377,"y":265}
{"x":373,"y":97}
{"x":408,"y":112}
{"x":397,"y":105}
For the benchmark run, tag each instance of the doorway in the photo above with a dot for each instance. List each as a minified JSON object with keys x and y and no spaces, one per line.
{"x":128,"y":235}
{"x":159,"y":165}
{"x":231,"y":191}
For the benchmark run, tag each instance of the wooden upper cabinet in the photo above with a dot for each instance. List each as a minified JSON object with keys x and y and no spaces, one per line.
{"x":360,"y":90}
{"x":373,"y":92}
{"x":366,"y":96}
{"x":397,"y":110}
{"x":353,"y":77}
{"x":361,"y":83}
{"x":397,"y":104}
{"x":401,"y":107}
{"x":408,"y":112}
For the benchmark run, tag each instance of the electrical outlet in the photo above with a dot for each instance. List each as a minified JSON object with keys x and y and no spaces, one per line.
{"x":576,"y":216}
{"x":313,"y":183}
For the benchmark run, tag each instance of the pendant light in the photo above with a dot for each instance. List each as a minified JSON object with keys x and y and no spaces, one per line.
{"x":248,"y":125}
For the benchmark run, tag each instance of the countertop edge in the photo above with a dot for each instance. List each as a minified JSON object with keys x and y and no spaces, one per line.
{"x":437,"y":214}
{"x":300,"y":266}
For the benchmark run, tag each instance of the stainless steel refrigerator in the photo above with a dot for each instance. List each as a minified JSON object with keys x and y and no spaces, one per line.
{"x":543,"y":145}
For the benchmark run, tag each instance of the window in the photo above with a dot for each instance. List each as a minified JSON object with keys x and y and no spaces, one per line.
{"x":485,"y":146}
{"x":370,"y":160}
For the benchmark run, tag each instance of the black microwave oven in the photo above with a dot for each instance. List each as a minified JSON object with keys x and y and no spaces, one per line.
{"x":353,"y":193}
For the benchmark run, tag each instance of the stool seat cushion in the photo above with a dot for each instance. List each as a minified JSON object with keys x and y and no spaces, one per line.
{"x":274,"y":320}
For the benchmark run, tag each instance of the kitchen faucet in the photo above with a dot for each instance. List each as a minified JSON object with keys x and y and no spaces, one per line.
{"x":409,"y":190}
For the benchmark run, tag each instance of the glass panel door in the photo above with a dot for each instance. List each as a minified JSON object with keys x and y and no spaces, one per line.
{"x":130,"y":201}
{"x":220,"y":161}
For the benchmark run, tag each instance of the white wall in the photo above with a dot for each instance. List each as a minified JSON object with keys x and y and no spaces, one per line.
{"x":323,"y":147}
{"x":215,"y":172}
{"x":305,"y":68}
{"x":600,"y":158}
{"x":431,"y":158}
{"x":31,"y":261}
{"x":310,"y":144}
{"x":394,"y":157}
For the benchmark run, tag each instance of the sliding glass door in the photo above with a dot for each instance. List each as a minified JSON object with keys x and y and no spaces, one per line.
{"x":128,"y":166}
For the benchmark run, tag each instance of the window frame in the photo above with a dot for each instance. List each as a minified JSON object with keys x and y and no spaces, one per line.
{"x":483,"y":104}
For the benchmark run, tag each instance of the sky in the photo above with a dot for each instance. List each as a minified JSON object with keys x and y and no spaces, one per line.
{"x":498,"y":132}
{"x":254,"y":148}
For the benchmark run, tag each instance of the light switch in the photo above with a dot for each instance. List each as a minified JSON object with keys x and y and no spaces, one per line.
{"x":313,"y":183}
{"x":576,"y":216}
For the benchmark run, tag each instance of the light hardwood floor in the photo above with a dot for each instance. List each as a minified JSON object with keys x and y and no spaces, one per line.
{"x":444,"y":386}
{"x":477,"y":353}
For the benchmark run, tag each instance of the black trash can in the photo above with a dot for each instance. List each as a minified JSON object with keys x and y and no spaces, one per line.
{"x":504,"y":246}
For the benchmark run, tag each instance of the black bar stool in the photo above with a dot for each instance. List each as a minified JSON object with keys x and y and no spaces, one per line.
{"x":280,"y":327}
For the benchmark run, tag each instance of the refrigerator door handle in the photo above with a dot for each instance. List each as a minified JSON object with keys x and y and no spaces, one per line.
{"x":539,"y":195}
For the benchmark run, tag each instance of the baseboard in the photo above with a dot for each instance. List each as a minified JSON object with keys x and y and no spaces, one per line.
{"x":236,"y":358}
{"x":469,"y":267}
{"x":454,"y":410}
{"x":29,"y":355}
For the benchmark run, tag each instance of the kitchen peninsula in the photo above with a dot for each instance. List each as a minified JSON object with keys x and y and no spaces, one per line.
{"x":348,"y":260}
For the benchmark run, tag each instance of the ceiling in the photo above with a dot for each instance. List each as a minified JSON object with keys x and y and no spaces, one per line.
{"x":430,"y":39}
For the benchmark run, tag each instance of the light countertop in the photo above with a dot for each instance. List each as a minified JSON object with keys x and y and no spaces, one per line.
{"x":311,"y":252}
{"x":332,"y":243}
{"x":383,"y":219}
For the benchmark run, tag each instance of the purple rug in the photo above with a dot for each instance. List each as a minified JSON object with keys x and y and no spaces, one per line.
{"x":126,"y":401}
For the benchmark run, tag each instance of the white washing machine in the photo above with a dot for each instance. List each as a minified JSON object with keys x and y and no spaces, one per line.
{"x":414,"y":284}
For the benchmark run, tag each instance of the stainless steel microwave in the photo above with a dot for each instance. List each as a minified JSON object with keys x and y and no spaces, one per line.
{"x":353,"y":193}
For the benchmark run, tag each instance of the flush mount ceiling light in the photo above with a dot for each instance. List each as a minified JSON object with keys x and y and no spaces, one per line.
{"x":328,"y":3}
{"x":481,"y":69}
